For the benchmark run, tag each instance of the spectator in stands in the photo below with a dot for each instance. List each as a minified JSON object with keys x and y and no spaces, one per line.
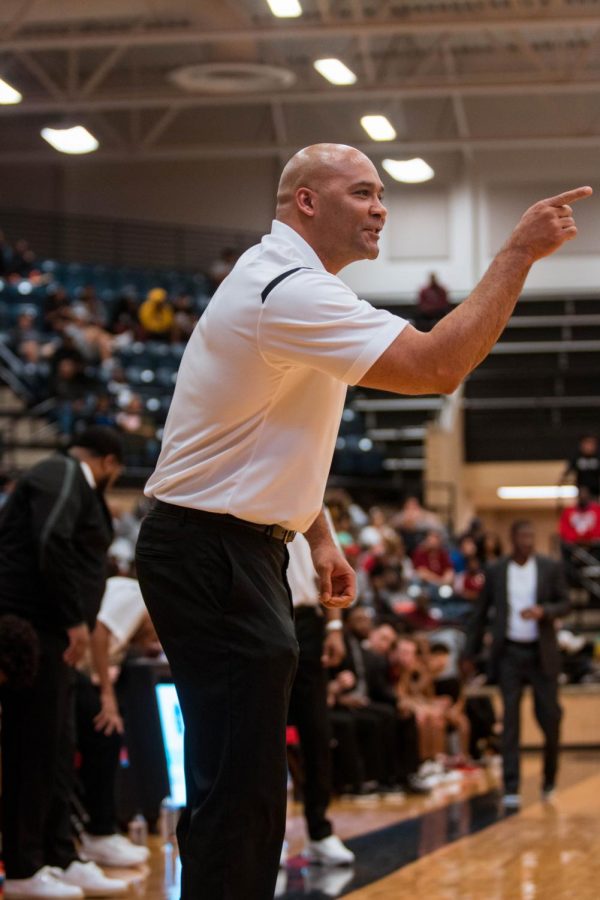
{"x":579,"y":527}
{"x":54,"y":533}
{"x":96,"y":311}
{"x":465,"y":550}
{"x":221,"y":267}
{"x":139,"y":433}
{"x":414,"y":521}
{"x":490,"y":548}
{"x":24,"y":338}
{"x":414,"y":689}
{"x":70,"y":385}
{"x":103,"y":412}
{"x":580,"y":524}
{"x":449,"y":688}
{"x":22,"y":259}
{"x":156,"y":315}
{"x":125,"y":315}
{"x":92,"y":341}
{"x":373,"y":535}
{"x":432,"y":304}
{"x":56,"y":307}
{"x":469,"y":583}
{"x":585,"y":465}
{"x":525,"y":593}
{"x":357,"y":745}
{"x":433,"y":566}
{"x":185,"y":318}
{"x":99,"y":725}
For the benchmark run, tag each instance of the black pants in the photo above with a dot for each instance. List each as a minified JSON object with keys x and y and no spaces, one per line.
{"x":308,"y":712}
{"x":519,"y":666}
{"x":37,"y":766}
{"x":99,"y":760}
{"x":218,"y":597}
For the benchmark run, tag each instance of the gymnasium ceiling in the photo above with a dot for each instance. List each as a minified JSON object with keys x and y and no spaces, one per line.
{"x":457,"y":78}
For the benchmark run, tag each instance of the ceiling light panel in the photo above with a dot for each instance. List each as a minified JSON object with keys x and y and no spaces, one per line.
{"x":409,"y":171}
{"x":335,"y":71}
{"x":378,"y":128}
{"x":74,"y":140}
{"x":285,"y":9}
{"x":8,"y":94}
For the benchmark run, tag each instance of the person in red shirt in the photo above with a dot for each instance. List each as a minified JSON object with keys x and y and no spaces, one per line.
{"x":580,"y":524}
{"x":432,"y":562}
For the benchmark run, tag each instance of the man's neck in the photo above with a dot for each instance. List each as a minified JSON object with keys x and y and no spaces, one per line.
{"x":520,"y":559}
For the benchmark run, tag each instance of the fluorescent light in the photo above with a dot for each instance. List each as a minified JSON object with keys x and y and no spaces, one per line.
{"x":538,"y":492}
{"x":8,"y":94}
{"x":411,"y":171}
{"x":285,"y":9}
{"x":70,"y":140}
{"x":335,"y":71}
{"x":378,"y":128}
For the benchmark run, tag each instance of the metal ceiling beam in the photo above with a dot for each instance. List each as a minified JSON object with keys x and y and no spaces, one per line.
{"x":447,"y":88}
{"x":303,"y":31}
{"x":274,"y":150}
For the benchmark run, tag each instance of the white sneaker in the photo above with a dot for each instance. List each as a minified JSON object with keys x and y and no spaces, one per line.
{"x":112,"y":850}
{"x":328,"y":852}
{"x":511,"y":801}
{"x":42,"y":884}
{"x":91,"y":879}
{"x":283,"y":859}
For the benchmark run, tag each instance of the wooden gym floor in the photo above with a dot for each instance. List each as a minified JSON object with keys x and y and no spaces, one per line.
{"x":457,"y":844}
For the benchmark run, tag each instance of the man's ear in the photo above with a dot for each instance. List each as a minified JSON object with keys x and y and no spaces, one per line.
{"x":305,"y":200}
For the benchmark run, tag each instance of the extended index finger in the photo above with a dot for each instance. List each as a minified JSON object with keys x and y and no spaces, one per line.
{"x":570,"y":196}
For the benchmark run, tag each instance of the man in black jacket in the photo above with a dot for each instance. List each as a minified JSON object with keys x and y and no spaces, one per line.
{"x":55,"y":530}
{"x":525,"y":593}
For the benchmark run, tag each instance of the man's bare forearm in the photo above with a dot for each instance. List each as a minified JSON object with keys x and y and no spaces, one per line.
{"x":465,"y":337}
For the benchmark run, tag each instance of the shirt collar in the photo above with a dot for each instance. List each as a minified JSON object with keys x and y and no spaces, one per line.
{"x":89,"y":475}
{"x":281,"y":231}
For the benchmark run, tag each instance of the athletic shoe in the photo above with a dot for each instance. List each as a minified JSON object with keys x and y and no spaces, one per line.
{"x":112,"y":850}
{"x":511,"y":801}
{"x":417,"y":785}
{"x":548,"y":793}
{"x":283,"y":859}
{"x":322,"y":882}
{"x":328,"y":852}
{"x":91,"y":879}
{"x":43,"y":884}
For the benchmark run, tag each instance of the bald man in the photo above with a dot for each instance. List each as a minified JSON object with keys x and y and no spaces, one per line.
{"x":246,"y":453}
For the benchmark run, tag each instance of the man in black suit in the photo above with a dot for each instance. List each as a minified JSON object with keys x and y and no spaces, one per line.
{"x":55,"y":529}
{"x":524,"y":593}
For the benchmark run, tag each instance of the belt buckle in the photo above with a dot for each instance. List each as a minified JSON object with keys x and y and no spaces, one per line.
{"x":282,"y":534}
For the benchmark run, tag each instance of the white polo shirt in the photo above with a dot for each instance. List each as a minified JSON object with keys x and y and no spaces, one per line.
{"x":261,"y":388}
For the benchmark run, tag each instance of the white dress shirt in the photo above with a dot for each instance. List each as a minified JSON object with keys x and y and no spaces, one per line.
{"x":260,"y":392}
{"x":521,"y":589}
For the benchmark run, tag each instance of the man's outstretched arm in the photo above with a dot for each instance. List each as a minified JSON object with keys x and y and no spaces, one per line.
{"x":437,"y":362}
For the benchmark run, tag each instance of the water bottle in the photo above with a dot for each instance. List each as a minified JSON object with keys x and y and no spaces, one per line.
{"x":169,"y":817}
{"x":138,"y":830}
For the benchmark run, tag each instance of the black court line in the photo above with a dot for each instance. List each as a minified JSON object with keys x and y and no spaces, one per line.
{"x":379,"y":853}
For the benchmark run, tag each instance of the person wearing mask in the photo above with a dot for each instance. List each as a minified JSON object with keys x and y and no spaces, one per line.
{"x":525,"y":593}
{"x":55,"y":529}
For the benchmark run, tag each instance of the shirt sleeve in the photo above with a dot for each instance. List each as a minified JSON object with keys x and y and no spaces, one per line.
{"x":314,"y":319}
{"x":123,"y":609}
